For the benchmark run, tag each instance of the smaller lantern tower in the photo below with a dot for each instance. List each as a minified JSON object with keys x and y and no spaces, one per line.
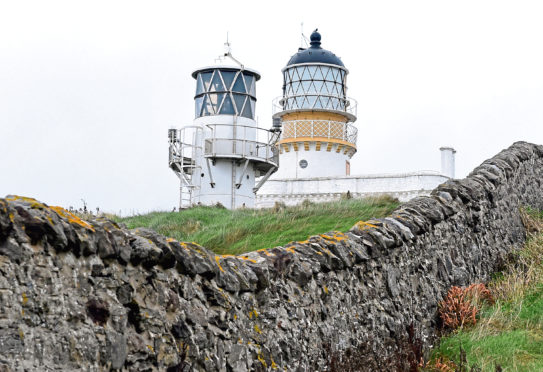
{"x":219,"y":157}
{"x":318,"y":137}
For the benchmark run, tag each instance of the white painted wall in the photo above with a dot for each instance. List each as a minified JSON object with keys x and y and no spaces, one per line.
{"x":402,"y":186}
{"x":226,"y":172}
{"x":319,"y":163}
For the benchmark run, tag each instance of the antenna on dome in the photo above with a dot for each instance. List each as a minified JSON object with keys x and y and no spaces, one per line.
{"x":303,"y":38}
{"x":228,"y":53}
{"x":227,"y":46}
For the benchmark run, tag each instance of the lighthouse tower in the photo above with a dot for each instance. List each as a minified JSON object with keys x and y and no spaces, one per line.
{"x":318,"y":137}
{"x":219,"y":157}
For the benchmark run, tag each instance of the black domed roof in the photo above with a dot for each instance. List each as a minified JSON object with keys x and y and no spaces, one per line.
{"x":315,"y":54}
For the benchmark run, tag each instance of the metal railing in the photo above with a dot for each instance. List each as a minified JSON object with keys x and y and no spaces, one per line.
{"x":320,"y":129}
{"x":241,"y":141}
{"x":315,"y":101}
{"x":183,"y":151}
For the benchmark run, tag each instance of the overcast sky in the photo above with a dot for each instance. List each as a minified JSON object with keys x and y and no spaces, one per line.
{"x":89,"y":89}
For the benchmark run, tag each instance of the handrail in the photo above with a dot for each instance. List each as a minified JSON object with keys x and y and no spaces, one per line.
{"x":242,"y":144}
{"x":350,"y":105}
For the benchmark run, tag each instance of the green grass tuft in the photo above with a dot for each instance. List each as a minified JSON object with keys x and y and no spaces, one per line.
{"x":234,"y":232}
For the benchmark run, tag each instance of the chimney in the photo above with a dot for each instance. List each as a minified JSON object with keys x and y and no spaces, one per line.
{"x":447,"y":161}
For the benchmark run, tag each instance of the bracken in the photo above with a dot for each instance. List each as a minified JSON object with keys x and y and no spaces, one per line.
{"x":461,"y":305}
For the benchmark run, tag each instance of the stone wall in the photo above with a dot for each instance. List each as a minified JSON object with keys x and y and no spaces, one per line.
{"x":77,"y":295}
{"x":293,"y":191}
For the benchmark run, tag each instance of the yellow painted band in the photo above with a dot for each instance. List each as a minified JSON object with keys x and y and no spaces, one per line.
{"x":314,"y":115}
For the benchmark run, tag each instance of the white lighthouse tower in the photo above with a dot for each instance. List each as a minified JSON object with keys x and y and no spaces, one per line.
{"x":318,"y":137}
{"x":219,"y":157}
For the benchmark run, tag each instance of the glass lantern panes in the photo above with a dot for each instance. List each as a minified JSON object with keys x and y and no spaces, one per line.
{"x":247,"y":112}
{"x":216,"y":83}
{"x":228,"y":77}
{"x":225,"y":92}
{"x":314,"y":87}
{"x":250,"y":83}
{"x":207,"y":107}
{"x":227,"y":107}
{"x":253,"y":104}
{"x":239,"y":86}
{"x":206,"y":78}
{"x":199,"y":101}
{"x":239,"y":100}
{"x":199,"y":85}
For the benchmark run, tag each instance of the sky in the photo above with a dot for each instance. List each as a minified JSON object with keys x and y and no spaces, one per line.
{"x":88,"y":89}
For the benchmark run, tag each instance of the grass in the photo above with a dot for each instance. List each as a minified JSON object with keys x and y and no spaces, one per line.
{"x":509,"y":333}
{"x":234,"y":232}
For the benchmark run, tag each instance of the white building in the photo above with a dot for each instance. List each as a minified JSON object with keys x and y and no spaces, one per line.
{"x":319,"y":139}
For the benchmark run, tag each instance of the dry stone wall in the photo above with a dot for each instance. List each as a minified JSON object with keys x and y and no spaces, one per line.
{"x":92,"y":295}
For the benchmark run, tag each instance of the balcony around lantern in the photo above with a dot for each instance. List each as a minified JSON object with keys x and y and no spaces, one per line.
{"x":319,"y":130}
{"x":243,"y":142}
{"x":345,"y":106}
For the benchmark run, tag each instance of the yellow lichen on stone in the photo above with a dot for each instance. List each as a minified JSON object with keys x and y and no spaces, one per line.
{"x":325,"y":288}
{"x":21,"y":334}
{"x":246,"y":258}
{"x":339,"y":236}
{"x":290,"y":249}
{"x":151,"y":349}
{"x":265,"y":251}
{"x":11,"y":217}
{"x":336,"y":237}
{"x":217,"y":258}
{"x":261,"y":359}
{"x":72,"y":218}
{"x":361,"y":225}
{"x":33,"y":202}
{"x":25,"y":298}
{"x":257,"y":329}
{"x":273,"y":365}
